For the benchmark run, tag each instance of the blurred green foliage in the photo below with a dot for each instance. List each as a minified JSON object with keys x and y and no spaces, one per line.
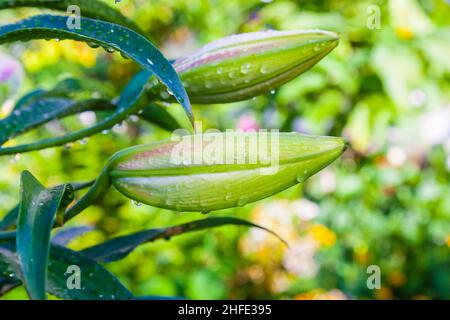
{"x":386,"y":202}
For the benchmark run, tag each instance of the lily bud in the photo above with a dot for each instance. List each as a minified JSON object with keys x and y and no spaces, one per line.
{"x":211,"y":171}
{"x":243,"y":66}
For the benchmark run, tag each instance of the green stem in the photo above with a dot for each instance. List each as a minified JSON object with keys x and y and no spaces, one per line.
{"x":94,"y":194}
{"x":104,"y":124}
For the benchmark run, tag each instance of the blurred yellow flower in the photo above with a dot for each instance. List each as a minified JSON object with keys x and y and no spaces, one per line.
{"x":361,"y":254}
{"x":320,"y":294}
{"x":397,"y":278}
{"x":322,"y":235}
{"x":404,"y":33}
{"x":51,"y":52}
{"x":384,"y":293}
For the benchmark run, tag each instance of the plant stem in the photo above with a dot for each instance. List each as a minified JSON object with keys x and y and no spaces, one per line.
{"x":94,"y":194}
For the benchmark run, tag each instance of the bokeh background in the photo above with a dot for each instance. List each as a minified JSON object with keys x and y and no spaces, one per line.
{"x":386,"y":202}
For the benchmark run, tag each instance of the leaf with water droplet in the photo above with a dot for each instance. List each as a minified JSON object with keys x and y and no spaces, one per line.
{"x":38,"y":209}
{"x":89,"y":9}
{"x":118,"y":248}
{"x":101,"y":283}
{"x":137,"y":47}
{"x":128,"y":103}
{"x":43,"y":111}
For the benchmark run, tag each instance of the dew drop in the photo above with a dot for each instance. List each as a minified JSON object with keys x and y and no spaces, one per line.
{"x":219,"y":70}
{"x":93,"y":44}
{"x":150,"y":62}
{"x":245,"y":68}
{"x":208,"y":84}
{"x":135,"y":203}
{"x":68,"y":145}
{"x":242,"y":201}
{"x":264,"y":69}
{"x":106,"y":131}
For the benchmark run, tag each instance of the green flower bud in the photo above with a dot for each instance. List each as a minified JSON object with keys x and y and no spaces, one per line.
{"x":211,"y":171}
{"x":243,"y":66}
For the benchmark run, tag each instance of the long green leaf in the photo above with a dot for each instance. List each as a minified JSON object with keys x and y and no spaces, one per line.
{"x":129,"y":102}
{"x":118,"y":248}
{"x":96,"y":282}
{"x":105,"y":34}
{"x":89,"y":8}
{"x":44,"y":110}
{"x":157,"y":114}
{"x":37,"y":211}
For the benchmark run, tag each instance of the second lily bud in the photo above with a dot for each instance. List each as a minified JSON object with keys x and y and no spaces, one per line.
{"x":243,"y":66}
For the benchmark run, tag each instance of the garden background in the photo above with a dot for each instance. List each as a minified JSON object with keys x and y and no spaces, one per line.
{"x":386,"y":202}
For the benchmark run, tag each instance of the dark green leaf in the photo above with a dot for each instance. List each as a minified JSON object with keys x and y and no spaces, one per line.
{"x":37,"y":211}
{"x":129,"y":102}
{"x":96,"y":281}
{"x":158,"y":115}
{"x":11,"y":217}
{"x":118,"y":248}
{"x":64,"y":236}
{"x":104,"y":34}
{"x":89,"y":8}
{"x":44,"y":110}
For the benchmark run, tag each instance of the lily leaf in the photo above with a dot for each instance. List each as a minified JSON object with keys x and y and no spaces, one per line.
{"x":10,"y":218}
{"x":64,"y":236}
{"x":108,"y":35}
{"x":91,"y":9}
{"x":44,"y":110}
{"x":120,"y":247}
{"x":129,"y":102}
{"x":37,"y":211}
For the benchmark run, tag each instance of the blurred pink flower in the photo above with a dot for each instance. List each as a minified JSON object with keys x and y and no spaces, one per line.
{"x":247,"y":122}
{"x":11,"y":72}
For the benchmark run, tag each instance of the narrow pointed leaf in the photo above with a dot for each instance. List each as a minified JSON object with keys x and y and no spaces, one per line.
{"x":44,"y":110}
{"x":129,"y":103}
{"x":37,"y":211}
{"x":105,"y":34}
{"x":118,"y":248}
{"x":10,"y":218}
{"x":64,"y":236}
